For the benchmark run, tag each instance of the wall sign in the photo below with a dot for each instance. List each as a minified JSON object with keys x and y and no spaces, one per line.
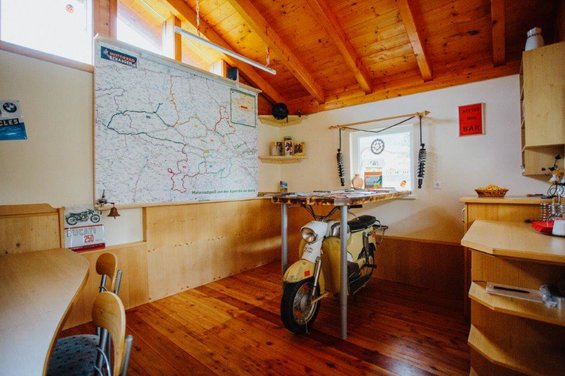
{"x":12,"y":125}
{"x":83,"y":230}
{"x":471,"y":119}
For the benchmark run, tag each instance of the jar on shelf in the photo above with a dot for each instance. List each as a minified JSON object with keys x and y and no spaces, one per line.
{"x":534,"y":40}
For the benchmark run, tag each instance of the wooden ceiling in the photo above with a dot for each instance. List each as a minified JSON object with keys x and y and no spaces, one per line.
{"x":336,"y":53}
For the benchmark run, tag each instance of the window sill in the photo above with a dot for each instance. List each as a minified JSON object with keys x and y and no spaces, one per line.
{"x":25,"y":51}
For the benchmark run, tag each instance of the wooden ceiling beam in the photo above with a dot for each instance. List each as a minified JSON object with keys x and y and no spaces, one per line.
{"x":329,"y":21}
{"x":181,"y":10}
{"x":261,"y":27}
{"x":172,"y":42}
{"x":416,"y":37}
{"x":498,"y":21}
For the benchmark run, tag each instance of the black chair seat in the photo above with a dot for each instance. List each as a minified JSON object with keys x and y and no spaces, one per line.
{"x":361,"y":222}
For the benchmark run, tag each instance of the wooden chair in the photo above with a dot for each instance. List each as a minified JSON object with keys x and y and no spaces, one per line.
{"x":111,"y":276}
{"x":108,"y":312}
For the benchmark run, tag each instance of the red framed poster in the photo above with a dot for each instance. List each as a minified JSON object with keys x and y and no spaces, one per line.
{"x":471,"y":119}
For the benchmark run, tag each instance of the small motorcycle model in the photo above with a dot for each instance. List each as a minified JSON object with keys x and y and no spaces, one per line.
{"x":83,"y":216}
{"x":317,"y":273}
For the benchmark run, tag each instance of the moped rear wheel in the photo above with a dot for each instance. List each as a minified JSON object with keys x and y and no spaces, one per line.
{"x":297,"y":311}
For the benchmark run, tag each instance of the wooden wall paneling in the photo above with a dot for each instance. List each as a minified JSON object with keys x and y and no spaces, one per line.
{"x":194,"y":244}
{"x":132,"y":260}
{"x":25,"y":228}
{"x":438,"y":266}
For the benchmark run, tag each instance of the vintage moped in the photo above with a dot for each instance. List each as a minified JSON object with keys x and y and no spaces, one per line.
{"x":317,"y":273}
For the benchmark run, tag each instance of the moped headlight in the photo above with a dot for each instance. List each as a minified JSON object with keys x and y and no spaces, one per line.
{"x":308,"y":235}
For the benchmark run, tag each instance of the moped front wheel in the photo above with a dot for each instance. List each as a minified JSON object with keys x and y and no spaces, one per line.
{"x":298,"y":313}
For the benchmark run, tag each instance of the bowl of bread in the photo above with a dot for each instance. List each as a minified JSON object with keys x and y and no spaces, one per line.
{"x":491,"y":190}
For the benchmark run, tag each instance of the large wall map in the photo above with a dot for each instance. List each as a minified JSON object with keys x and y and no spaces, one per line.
{"x":165,"y":132}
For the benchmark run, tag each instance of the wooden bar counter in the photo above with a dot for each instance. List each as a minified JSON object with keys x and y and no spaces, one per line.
{"x":37,"y":290}
{"x":511,"y":335}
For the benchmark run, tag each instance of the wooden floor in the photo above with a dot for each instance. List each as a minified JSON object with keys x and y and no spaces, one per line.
{"x":232,"y":327}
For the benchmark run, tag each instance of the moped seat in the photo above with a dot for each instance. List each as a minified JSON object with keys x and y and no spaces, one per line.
{"x":361,"y":222}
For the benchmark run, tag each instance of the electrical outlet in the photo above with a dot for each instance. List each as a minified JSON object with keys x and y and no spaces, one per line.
{"x":437,"y":184}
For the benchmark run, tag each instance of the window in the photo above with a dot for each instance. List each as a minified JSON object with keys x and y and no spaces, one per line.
{"x":58,"y":27}
{"x":384,"y":159}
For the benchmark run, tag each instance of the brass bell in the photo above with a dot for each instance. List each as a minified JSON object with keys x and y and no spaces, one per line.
{"x":113,"y":212}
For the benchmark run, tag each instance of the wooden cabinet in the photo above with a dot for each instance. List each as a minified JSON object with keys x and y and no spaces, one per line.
{"x":516,"y":209}
{"x":509,"y":335}
{"x":542,"y":83}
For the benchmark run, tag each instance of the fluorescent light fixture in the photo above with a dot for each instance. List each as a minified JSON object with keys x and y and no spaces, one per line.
{"x":225,"y":50}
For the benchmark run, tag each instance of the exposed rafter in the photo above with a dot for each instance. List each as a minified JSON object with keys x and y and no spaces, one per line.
{"x":261,"y":27}
{"x":498,"y":21}
{"x":416,"y":38}
{"x":172,"y":42}
{"x":180,"y":9}
{"x":329,"y":21}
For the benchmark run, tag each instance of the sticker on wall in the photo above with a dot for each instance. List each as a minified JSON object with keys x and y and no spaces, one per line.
{"x":83,"y":229}
{"x":12,"y":125}
{"x":471,"y":119}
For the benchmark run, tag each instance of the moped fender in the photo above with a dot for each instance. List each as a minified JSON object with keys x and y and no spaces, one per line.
{"x":300,"y":270}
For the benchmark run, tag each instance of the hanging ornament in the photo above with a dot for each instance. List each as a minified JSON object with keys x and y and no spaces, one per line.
{"x":422,"y":155}
{"x":377,"y":146}
{"x":340,"y":164}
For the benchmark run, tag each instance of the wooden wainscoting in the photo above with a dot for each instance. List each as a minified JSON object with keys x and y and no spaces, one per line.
{"x":193,"y":244}
{"x":434,"y":265}
{"x":25,"y":228}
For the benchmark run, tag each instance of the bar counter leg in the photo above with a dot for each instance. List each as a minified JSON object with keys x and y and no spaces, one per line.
{"x":343,"y":272}
{"x":284,"y":237}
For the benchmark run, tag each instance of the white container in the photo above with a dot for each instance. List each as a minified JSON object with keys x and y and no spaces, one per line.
{"x":559,"y":227}
{"x":535,"y":39}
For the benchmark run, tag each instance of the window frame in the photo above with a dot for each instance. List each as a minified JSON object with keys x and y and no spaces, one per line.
{"x":354,"y":149}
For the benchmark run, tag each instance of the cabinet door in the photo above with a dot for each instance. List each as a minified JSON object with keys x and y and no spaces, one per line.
{"x":544,"y":95}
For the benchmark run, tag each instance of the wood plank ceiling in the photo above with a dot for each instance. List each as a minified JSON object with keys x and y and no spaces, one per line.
{"x":335,"y":53}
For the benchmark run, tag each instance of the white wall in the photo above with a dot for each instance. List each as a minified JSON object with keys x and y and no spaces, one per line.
{"x":55,"y":164}
{"x":459,"y":163}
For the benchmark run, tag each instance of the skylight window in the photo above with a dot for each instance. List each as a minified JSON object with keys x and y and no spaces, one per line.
{"x":58,"y":27}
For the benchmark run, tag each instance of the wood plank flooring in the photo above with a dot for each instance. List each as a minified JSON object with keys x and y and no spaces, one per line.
{"x":232,"y":327}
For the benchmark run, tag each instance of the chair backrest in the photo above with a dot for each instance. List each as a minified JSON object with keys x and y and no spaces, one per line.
{"x":107,"y":267}
{"x":108,"y":312}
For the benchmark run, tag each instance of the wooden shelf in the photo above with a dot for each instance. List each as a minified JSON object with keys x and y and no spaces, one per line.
{"x":282,"y":159}
{"x":528,"y":357}
{"x":290,"y":120}
{"x":514,"y":239}
{"x":516,"y":307}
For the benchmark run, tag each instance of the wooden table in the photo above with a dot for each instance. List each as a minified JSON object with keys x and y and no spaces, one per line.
{"x":342,"y":199}
{"x":37,"y":289}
